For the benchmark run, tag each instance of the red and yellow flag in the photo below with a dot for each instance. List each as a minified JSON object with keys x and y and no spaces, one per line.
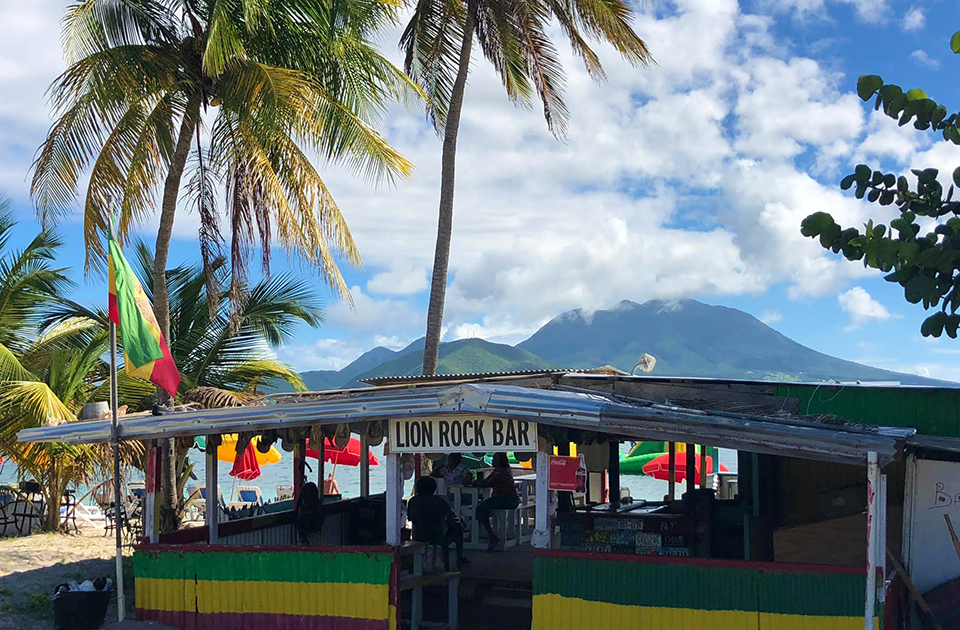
{"x":145,"y":351}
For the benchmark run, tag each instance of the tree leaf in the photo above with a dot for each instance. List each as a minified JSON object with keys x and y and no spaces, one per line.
{"x":862,"y":173}
{"x":916,"y":94}
{"x":867,"y":84}
{"x":816,"y":223}
{"x":955,"y":43}
{"x":847,"y":182}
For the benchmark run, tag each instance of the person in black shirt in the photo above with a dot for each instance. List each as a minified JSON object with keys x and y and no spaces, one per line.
{"x":434,"y":522}
{"x":309,"y":512}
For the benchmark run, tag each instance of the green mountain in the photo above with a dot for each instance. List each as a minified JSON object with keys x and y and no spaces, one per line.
{"x":689,"y":338}
{"x":458,"y":357}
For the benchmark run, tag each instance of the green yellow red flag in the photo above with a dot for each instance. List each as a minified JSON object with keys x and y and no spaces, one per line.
{"x":145,"y":351}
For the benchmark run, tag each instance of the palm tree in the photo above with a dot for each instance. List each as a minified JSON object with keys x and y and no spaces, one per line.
{"x":42,"y":378}
{"x":279,"y":78}
{"x":437,"y":44}
{"x":223,"y":361}
{"x":276,"y":79}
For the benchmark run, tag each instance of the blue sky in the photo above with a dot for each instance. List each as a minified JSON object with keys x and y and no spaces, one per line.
{"x":687,"y":179}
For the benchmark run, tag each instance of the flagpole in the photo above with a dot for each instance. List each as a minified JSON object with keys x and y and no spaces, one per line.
{"x":115,"y":439}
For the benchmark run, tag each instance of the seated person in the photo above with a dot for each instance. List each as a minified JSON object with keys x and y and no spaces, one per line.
{"x":433,"y":520}
{"x":454,"y":472}
{"x":309,"y":513}
{"x":330,"y":487}
{"x":504,"y":496}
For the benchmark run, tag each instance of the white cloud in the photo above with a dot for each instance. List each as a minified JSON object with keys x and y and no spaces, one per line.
{"x":373,"y":314}
{"x":885,"y":139}
{"x":867,"y":10}
{"x":403,"y":279}
{"x":770,"y":317}
{"x":323,"y":354}
{"x":914,"y":19}
{"x":861,"y":308}
{"x":921,"y":57}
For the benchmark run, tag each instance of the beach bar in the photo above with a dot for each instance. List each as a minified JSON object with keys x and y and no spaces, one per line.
{"x":801,"y":544}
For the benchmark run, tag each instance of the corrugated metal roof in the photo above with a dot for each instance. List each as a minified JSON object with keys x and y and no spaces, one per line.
{"x":470,"y":376}
{"x":570,"y":409}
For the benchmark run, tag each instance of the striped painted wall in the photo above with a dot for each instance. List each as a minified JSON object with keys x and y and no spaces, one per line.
{"x":580,"y":591}
{"x":257,"y":588}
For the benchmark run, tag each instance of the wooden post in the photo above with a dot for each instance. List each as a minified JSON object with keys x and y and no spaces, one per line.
{"x":321,"y":468}
{"x":873,"y":488}
{"x":364,"y":464}
{"x":703,"y":466}
{"x":542,"y":525}
{"x":613,"y":468}
{"x":213,"y":494}
{"x":691,"y":467}
{"x":298,"y":469}
{"x":150,"y":531}
{"x":394,"y":498}
{"x":672,"y":471}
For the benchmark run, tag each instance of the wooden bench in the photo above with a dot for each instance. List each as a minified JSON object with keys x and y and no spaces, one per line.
{"x":416,"y":580}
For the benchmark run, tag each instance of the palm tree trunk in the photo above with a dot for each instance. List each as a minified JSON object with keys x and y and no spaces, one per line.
{"x":161,"y":300}
{"x":441,"y":259}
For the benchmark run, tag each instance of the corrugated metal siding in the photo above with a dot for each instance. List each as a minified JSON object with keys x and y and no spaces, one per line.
{"x":929,"y":411}
{"x":209,"y":588}
{"x":587,"y":592}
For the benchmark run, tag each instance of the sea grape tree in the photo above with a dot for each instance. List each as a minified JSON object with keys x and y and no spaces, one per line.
{"x":920,"y":249}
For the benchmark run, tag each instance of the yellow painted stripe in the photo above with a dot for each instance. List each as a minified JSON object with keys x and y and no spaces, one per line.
{"x":776,"y":621}
{"x":555,"y":612}
{"x":393,"y":617}
{"x":361,"y":601}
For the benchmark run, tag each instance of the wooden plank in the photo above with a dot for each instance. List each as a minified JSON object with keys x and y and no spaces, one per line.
{"x":441,"y":577}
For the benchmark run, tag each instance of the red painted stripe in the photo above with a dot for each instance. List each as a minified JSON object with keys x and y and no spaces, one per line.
{"x":771,"y":567}
{"x":256,"y":549}
{"x":258,"y":621}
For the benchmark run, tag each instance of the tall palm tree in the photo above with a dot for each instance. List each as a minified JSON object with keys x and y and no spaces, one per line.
{"x":279,"y":78}
{"x":512,"y":34}
{"x":276,"y":79}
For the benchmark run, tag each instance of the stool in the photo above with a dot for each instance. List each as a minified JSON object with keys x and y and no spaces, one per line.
{"x":506,"y":524}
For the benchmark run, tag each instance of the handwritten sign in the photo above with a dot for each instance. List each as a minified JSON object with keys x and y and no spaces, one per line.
{"x":936,"y":491}
{"x":462,"y":435}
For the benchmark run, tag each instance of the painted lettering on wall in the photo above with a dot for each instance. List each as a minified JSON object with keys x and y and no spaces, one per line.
{"x":462,"y":435}
{"x":942,"y":498}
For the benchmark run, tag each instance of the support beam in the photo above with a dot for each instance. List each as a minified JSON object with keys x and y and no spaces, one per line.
{"x":873,"y":492}
{"x":543,"y":525}
{"x":364,"y":464}
{"x":703,"y":466}
{"x":691,"y":467}
{"x":564,"y":498}
{"x":150,"y":530}
{"x":394,"y":498}
{"x":321,"y":468}
{"x":213,"y":495}
{"x":299,"y":462}
{"x":672,"y":471}
{"x":613,"y":468}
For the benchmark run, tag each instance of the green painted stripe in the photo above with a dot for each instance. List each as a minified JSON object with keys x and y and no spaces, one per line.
{"x":270,"y":566}
{"x":642,"y":584}
{"x":812,"y":593}
{"x":699,"y":587}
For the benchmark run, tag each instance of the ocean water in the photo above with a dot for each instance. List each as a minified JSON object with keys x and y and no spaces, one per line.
{"x":348,"y":478}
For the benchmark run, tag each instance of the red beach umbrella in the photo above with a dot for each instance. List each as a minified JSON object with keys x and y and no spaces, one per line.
{"x":245,"y":466}
{"x":349,"y":456}
{"x":659,"y":467}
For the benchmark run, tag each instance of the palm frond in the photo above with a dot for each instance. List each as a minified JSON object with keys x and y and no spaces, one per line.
{"x":95,"y":25}
{"x":218,"y":398}
{"x":431,"y":46}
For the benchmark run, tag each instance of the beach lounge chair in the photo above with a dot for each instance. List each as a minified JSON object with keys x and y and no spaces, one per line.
{"x":198,"y":500}
{"x":249,"y":496}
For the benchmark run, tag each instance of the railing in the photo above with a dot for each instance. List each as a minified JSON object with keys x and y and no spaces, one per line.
{"x":583,"y":591}
{"x":199,"y":587}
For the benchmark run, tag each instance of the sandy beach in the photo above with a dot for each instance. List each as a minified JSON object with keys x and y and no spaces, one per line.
{"x":31,"y":567}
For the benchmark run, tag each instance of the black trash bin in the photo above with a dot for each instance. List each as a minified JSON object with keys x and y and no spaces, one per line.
{"x":80,"y":610}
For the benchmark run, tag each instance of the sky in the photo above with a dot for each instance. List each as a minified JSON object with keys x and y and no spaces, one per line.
{"x":686,"y":179}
